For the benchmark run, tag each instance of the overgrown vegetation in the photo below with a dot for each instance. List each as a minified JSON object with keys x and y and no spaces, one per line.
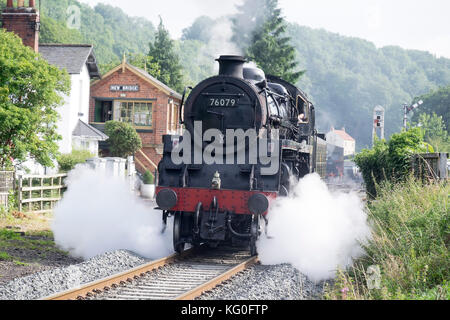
{"x":30,"y":92}
{"x":67,"y":162}
{"x":390,"y":160}
{"x":123,"y":139}
{"x":435,"y":131}
{"x":410,"y":245}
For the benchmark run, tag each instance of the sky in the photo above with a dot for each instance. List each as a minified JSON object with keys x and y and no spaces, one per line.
{"x":410,"y":24}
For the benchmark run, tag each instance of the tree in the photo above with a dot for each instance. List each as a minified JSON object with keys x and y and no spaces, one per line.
{"x":123,"y":139}
{"x":145,"y":62}
{"x":53,"y":31}
{"x":163,"y":53}
{"x":30,"y":92}
{"x":434,"y":131}
{"x":438,"y":102}
{"x":200,"y":30}
{"x":269,"y":48}
{"x":251,"y":16}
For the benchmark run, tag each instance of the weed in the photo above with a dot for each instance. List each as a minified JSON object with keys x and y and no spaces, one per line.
{"x":411,"y":227}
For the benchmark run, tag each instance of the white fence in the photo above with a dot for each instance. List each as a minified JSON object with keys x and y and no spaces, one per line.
{"x":6,"y":185}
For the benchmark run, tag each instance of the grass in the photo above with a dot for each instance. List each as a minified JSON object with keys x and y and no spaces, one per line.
{"x":410,"y":246}
{"x":27,"y":233}
{"x":29,"y":222}
{"x":5,"y":256}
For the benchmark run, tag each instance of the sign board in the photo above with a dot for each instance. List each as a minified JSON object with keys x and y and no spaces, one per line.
{"x":124,"y":88}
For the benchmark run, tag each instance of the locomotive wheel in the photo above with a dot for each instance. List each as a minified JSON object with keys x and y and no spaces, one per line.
{"x":255,"y":234}
{"x":177,"y":227}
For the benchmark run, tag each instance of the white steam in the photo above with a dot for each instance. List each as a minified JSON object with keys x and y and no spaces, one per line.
{"x":315,"y":230}
{"x":99,"y":214}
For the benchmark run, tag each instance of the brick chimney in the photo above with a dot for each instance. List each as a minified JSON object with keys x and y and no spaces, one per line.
{"x":23,"y":21}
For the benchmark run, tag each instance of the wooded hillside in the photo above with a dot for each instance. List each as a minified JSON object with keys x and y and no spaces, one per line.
{"x":345,"y":77}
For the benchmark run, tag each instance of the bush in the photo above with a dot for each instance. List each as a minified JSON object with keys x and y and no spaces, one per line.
{"x":390,"y":160}
{"x":411,"y":235}
{"x":124,"y":141}
{"x":68,"y":161}
{"x":148,"y":177}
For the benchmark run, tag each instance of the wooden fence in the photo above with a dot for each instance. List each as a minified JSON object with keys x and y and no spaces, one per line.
{"x":430,"y":166}
{"x":40,"y":193}
{"x":6,"y":185}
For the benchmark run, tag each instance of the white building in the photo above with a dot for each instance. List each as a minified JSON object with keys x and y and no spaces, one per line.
{"x":80,"y":63}
{"x":343,"y":140}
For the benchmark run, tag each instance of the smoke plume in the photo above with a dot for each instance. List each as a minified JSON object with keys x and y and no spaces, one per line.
{"x":315,"y":230}
{"x":99,"y":214}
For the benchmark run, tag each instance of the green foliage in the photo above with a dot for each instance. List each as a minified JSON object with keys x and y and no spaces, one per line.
{"x":146,"y":63}
{"x":68,"y":161}
{"x":269,"y":48}
{"x":5,"y":256}
{"x":435,"y":132}
{"x":30,"y":92}
{"x":148,"y":177}
{"x":200,"y":30}
{"x":347,"y":77}
{"x":390,"y":160}
{"x":410,"y":238}
{"x":250,"y":17}
{"x":53,"y":31}
{"x":163,"y":53}
{"x":197,"y":62}
{"x":438,"y":102}
{"x":123,"y":139}
{"x":106,"y":27}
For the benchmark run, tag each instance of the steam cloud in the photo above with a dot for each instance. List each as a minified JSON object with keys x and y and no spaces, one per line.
{"x":99,"y":214}
{"x":315,"y":230}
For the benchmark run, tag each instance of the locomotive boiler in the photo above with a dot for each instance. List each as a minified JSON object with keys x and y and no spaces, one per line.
{"x":247,"y":137}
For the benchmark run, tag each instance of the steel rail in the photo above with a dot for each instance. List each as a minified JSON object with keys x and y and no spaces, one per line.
{"x":141,"y":271}
{"x":82,"y":291}
{"x":197,"y":292}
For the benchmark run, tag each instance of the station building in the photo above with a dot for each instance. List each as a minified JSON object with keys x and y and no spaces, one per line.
{"x":342,"y":139}
{"x":130,"y":94}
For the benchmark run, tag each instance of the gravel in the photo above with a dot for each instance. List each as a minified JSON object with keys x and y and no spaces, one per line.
{"x":279,"y":282}
{"x":46,"y":283}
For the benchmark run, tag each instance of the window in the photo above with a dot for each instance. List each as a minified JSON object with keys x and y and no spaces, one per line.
{"x":137,"y":113}
{"x":85,"y":145}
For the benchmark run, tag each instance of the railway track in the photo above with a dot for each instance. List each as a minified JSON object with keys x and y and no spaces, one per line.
{"x":177,"y":277}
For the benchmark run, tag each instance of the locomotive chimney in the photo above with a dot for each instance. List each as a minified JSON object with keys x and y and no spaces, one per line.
{"x":232,"y":66}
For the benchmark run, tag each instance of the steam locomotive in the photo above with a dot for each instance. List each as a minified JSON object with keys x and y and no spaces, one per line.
{"x":259,"y":131}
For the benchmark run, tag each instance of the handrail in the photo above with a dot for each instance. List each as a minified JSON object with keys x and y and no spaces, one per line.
{"x":147,"y":158}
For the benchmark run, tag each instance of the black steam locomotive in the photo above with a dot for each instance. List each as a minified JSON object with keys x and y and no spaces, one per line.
{"x":227,"y":200}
